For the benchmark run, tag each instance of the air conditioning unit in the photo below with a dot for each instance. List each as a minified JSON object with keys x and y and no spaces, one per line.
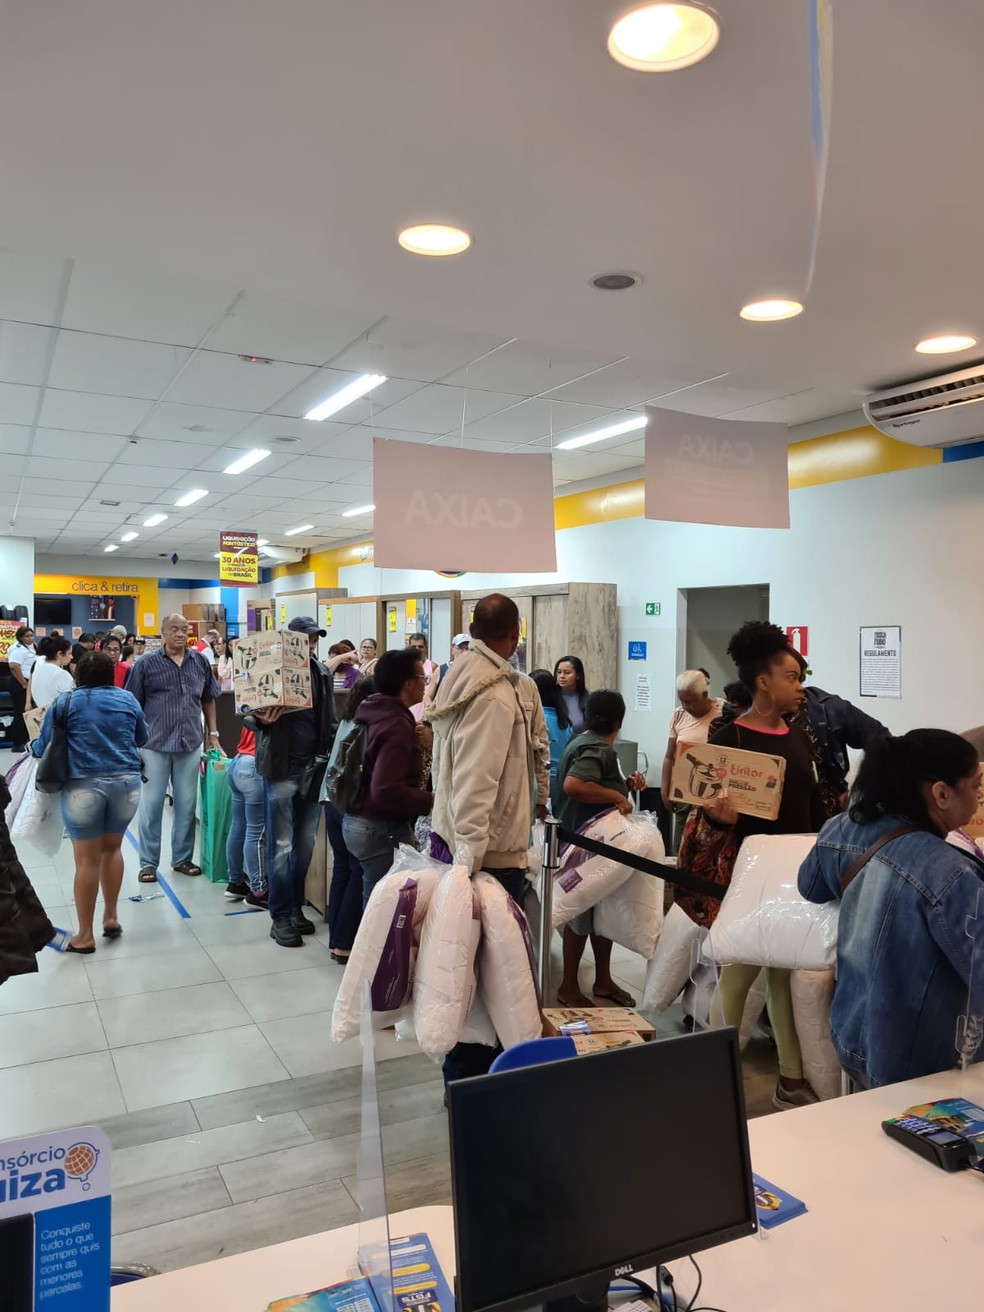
{"x":282,"y":555}
{"x":941,"y":411}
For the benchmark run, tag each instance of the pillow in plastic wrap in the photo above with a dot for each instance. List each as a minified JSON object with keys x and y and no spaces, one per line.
{"x":583,"y":879}
{"x":478,"y":1027}
{"x":506,"y":970}
{"x":535,"y":866}
{"x":813,"y":992}
{"x":444,"y":984}
{"x":632,"y":915}
{"x":763,"y":920}
{"x":670,"y":966}
{"x":385,"y":949}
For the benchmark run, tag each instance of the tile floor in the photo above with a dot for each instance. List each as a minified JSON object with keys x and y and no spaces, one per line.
{"x":203,"y":1049}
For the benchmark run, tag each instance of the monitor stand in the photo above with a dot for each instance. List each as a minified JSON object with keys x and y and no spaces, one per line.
{"x":592,"y":1296}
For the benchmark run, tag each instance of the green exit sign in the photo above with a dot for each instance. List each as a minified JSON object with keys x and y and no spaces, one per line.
{"x":654,"y":608}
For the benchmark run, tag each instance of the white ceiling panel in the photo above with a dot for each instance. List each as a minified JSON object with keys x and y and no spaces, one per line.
{"x":322,"y":469}
{"x":362,"y":479}
{"x":200,"y":425}
{"x":58,"y":487}
{"x":576,"y":465}
{"x":86,"y":471}
{"x":319,"y":386}
{"x":23,"y":352}
{"x":440,"y":409}
{"x":69,"y":505}
{"x":400,"y":348}
{"x":264,"y":429}
{"x":87,"y":362}
{"x":12,"y":466}
{"x":141,"y":304}
{"x":215,"y":461}
{"x":41,"y":515}
{"x":352,"y":444}
{"x":284,"y":488}
{"x":17,"y":403}
{"x":528,"y":368}
{"x":225,"y":381}
{"x":160,"y":455}
{"x":626,"y":383}
{"x":285,"y":329}
{"x":59,"y":443}
{"x":130,"y":481}
{"x":530,"y":420}
{"x":30,"y":285}
{"x":14,"y":439}
{"x":89,"y":413}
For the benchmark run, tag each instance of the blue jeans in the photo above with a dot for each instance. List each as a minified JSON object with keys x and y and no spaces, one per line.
{"x":345,"y":893}
{"x":180,"y":769}
{"x":291,"y":825}
{"x":99,"y":804}
{"x":245,"y":846}
{"x":373,"y":843}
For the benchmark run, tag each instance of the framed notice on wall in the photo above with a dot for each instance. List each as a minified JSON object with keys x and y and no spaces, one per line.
{"x":881,"y":661}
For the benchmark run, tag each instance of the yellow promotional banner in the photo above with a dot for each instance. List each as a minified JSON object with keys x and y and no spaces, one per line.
{"x":391,"y":619}
{"x":143,"y":591}
{"x":239,"y":558}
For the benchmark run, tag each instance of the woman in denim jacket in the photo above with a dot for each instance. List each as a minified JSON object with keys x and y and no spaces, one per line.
{"x":913,"y":916}
{"x":104,"y":727}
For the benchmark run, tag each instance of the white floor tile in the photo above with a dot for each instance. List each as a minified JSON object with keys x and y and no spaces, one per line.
{"x":60,"y":980}
{"x":36,"y":1036}
{"x":171,"y":1013}
{"x":115,"y":977}
{"x":266,"y":958}
{"x":304,"y":1045}
{"x":291,"y":993}
{"x":171,"y":1070}
{"x":51,"y":1094}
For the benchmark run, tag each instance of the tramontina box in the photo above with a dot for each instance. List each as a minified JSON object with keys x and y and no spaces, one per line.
{"x":272,"y":669}
{"x":753,"y":779}
{"x":593,"y":1022}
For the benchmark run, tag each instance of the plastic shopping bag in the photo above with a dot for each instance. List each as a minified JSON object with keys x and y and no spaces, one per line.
{"x":215,"y":815}
{"x":34,"y":817}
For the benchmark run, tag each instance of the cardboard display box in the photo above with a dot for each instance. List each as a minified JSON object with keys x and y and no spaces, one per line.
{"x":272,"y":669}
{"x":753,"y":779}
{"x":599,"y":1020}
{"x":588,"y":1043}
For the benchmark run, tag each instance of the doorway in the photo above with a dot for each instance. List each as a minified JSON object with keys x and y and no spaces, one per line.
{"x":712,"y":616}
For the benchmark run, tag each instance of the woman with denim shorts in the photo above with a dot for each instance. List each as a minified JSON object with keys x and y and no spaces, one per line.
{"x":104,"y":726}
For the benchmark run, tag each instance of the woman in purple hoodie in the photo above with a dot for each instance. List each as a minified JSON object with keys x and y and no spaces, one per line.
{"x":391,"y":798}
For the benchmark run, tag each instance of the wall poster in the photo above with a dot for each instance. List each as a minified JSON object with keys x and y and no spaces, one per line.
{"x":881,"y":661}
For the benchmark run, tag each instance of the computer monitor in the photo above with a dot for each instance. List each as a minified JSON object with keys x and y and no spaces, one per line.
{"x":572,"y":1173}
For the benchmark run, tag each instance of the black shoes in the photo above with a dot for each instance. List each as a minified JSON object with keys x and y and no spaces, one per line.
{"x":236,"y":890}
{"x":285,"y":933}
{"x":256,"y":899}
{"x":301,"y":923}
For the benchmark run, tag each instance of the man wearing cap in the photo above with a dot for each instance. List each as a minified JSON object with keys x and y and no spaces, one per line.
{"x":289,"y":747}
{"x":459,"y":645}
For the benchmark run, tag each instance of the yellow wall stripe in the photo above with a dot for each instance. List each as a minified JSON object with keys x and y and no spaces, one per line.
{"x":326,"y":564}
{"x":857,"y":453}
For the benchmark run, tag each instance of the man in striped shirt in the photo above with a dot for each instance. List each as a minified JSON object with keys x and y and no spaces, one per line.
{"x":175,"y":688}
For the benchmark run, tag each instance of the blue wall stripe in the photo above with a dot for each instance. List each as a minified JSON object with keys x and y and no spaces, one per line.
{"x":969,"y":451}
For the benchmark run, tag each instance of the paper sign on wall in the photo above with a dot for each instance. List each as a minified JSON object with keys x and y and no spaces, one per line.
{"x":881,"y":661}
{"x":716,"y":471}
{"x":643,"y":693}
{"x":494,"y":510}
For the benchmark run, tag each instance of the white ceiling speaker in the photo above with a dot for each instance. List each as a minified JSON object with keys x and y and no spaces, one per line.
{"x":944,"y":410}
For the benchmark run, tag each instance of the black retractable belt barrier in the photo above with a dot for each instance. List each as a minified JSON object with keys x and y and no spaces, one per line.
{"x":680,"y":877}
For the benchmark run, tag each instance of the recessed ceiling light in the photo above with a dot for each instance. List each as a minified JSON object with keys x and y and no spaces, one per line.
{"x":109,"y":503}
{"x":189,"y":498}
{"x":112,"y":547}
{"x":262,"y":542}
{"x":945,"y":344}
{"x":286,"y":441}
{"x":154,"y":521}
{"x":770,"y":311}
{"x":331,"y":405}
{"x":614,"y":282}
{"x":599,"y":435}
{"x":301,"y":528}
{"x":246,"y":461}
{"x":357,"y":510}
{"x":659,"y":38}
{"x":434,"y":239}
{"x":128,"y":537}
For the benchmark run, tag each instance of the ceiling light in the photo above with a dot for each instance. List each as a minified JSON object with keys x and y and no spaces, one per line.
{"x":112,"y":547}
{"x":357,"y":510}
{"x":614,"y":282}
{"x":770,"y":311}
{"x":128,"y":537}
{"x":434,"y":239}
{"x":599,"y":435}
{"x":154,"y":521}
{"x":189,"y":498}
{"x":262,"y":542}
{"x":345,"y":396}
{"x":945,"y":344}
{"x":663,"y":37}
{"x":216,"y":555}
{"x":246,"y":461}
{"x":301,"y":528}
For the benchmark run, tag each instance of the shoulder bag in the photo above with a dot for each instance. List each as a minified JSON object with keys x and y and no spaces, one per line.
{"x":52,"y":772}
{"x":860,"y":862}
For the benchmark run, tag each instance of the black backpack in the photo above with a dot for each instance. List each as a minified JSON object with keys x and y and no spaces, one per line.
{"x":343,"y":778}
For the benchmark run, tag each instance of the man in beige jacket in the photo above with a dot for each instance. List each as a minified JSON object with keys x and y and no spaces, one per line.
{"x":491,"y":768}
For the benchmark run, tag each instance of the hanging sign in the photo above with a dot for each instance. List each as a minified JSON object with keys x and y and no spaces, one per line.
{"x":494,"y":510}
{"x":239,"y":558}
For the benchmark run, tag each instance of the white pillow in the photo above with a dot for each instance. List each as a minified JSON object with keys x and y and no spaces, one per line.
{"x":674,"y":960}
{"x":632,"y":915}
{"x":582,"y":879}
{"x":444,"y":985}
{"x":506,"y":972}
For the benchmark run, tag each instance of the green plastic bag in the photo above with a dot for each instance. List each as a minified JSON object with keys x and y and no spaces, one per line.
{"x":215,"y":816}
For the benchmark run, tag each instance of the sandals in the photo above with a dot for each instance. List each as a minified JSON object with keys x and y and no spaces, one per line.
{"x":617,"y":998}
{"x":582,"y":1001}
{"x":112,"y":931}
{"x":187,"y":868}
{"x":147,"y":875}
{"x":82,"y":952}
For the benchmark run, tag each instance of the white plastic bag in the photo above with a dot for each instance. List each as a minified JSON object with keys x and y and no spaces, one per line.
{"x":632,"y":914}
{"x":18,"y":778}
{"x":385,"y":949}
{"x":36,"y":818}
{"x":763,"y":919}
{"x":813,"y":992}
{"x":506,"y":971}
{"x":535,"y":866}
{"x":582,"y":879}
{"x":670,"y":966}
{"x":444,"y":985}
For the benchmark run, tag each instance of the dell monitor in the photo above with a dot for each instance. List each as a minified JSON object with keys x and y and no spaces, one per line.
{"x":569,"y":1174}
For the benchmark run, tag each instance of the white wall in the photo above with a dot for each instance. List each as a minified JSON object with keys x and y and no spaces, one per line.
{"x":17,"y":573}
{"x":895,"y":549}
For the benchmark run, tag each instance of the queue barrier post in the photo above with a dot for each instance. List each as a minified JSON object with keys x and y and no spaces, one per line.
{"x":551,"y":863}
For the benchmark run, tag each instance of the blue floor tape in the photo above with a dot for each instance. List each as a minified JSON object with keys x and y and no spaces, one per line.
{"x":166,"y":888}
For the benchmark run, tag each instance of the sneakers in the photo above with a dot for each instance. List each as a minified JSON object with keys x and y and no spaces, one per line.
{"x":784,"y":1098}
{"x":256,"y":899}
{"x":284,"y":933}
{"x":236,"y":890}
{"x":301,"y":923}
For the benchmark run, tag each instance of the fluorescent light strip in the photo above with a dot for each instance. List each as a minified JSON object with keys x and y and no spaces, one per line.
{"x":357,"y":510}
{"x":154,"y":521}
{"x":262,"y":542}
{"x":128,"y":537}
{"x":301,"y":528}
{"x":599,"y":435}
{"x":246,"y":461}
{"x":112,"y":547}
{"x":345,"y":396}
{"x":189,"y":498}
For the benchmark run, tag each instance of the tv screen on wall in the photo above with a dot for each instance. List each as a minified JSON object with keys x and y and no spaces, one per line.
{"x":53,"y":611}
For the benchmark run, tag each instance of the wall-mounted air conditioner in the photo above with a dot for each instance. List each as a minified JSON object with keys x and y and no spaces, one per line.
{"x":281,"y":555}
{"x":940,"y":411}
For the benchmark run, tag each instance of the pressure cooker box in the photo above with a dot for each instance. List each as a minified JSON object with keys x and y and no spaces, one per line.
{"x":272,"y":668}
{"x":753,"y":779}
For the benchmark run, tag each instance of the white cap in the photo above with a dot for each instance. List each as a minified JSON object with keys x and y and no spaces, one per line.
{"x":460,"y":640}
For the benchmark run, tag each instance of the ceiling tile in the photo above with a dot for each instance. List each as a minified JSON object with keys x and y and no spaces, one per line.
{"x":440,"y":409}
{"x":362,"y":479}
{"x":68,"y":505}
{"x":86,"y":362}
{"x":177,"y":423}
{"x":30,"y":286}
{"x":532,"y":420}
{"x":57,"y":487}
{"x":86,"y":471}
{"x":350,"y":444}
{"x":14,"y":439}
{"x":325,"y":382}
{"x":283,"y":329}
{"x":527,"y":368}
{"x":224,"y":381}
{"x":23,"y":353}
{"x":17,"y":403}
{"x":12,"y":466}
{"x":139,"y":304}
{"x":285,"y":488}
{"x":215,"y":461}
{"x":89,"y":413}
{"x":400,"y":348}
{"x":625,"y":383}
{"x":264,"y":429}
{"x":59,"y":443}
{"x":132,"y":482}
{"x":322,"y":469}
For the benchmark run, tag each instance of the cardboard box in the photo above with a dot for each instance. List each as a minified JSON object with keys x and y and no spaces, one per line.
{"x":599,"y":1020}
{"x":754,"y":779}
{"x":272,"y":669}
{"x":588,"y":1043}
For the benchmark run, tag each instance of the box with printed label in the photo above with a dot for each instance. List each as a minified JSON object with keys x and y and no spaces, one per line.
{"x":585,"y":1044}
{"x":272,"y":669}
{"x":580,"y":1021}
{"x":753,"y":779}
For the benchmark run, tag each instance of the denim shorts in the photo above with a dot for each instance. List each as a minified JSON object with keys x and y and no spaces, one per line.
{"x":101,"y":804}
